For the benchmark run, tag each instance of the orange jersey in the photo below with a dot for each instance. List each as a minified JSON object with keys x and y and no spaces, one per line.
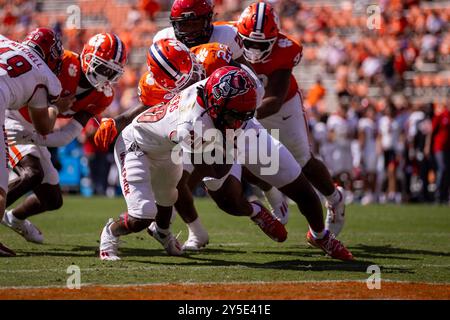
{"x":211,"y":55}
{"x":91,"y":100}
{"x":225,"y":22}
{"x":150,"y":93}
{"x":286,"y":54}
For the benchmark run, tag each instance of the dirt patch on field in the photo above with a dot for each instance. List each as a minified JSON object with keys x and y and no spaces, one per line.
{"x":238,"y":291}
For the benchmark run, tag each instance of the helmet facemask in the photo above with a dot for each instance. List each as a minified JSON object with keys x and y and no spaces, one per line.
{"x":192,"y":30}
{"x":100,"y":72}
{"x":257,"y":50}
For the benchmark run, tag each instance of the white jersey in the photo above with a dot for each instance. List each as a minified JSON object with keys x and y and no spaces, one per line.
{"x":22,"y":73}
{"x":342,"y":129}
{"x":368,"y":126}
{"x":389,"y":130}
{"x":412,"y":124}
{"x":224,"y":34}
{"x":160,"y":128}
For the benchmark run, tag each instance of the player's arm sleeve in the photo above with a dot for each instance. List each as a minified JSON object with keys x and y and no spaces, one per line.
{"x":60,"y":137}
{"x":40,"y":98}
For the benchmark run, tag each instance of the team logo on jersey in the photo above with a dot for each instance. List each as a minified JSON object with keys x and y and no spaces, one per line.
{"x":72,"y":70}
{"x":201,"y":56}
{"x":230,"y":85}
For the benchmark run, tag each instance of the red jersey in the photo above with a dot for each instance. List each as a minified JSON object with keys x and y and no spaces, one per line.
{"x":91,"y":100}
{"x":286,"y":54}
{"x":441,"y":131}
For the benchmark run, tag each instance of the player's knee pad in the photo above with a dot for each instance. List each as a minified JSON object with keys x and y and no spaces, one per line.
{"x":166,"y":198}
{"x":143,"y":209}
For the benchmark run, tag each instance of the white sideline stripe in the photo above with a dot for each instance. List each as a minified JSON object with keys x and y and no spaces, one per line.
{"x":219,"y":267}
{"x":219,"y":283}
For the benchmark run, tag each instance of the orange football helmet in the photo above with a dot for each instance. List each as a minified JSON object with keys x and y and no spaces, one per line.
{"x":172,"y":66}
{"x":258,"y":27}
{"x":103,"y":59}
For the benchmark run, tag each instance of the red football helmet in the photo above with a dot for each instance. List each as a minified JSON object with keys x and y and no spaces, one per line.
{"x":103,"y":59}
{"x":229,"y":97}
{"x":172,"y":65}
{"x":258,"y":27}
{"x":47,"y":44}
{"x":191,"y":21}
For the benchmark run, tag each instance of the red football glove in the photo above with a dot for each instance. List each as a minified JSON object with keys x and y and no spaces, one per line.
{"x":105,"y":134}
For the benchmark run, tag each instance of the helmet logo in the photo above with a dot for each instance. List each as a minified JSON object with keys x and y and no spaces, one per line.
{"x":97,"y":40}
{"x":230,"y":85}
{"x":175,"y":44}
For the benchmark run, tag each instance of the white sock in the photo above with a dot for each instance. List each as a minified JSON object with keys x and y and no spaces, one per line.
{"x":335,"y":197}
{"x":256,"y":209}
{"x":318,"y":235}
{"x":196,"y":226}
{"x":14,"y":219}
{"x":274,"y":197}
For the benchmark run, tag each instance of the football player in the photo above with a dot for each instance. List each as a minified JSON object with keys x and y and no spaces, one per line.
{"x":273,"y":56}
{"x":192,"y":25}
{"x":28,"y":76}
{"x":144,"y":153}
{"x":88,"y":78}
{"x":167,"y":57}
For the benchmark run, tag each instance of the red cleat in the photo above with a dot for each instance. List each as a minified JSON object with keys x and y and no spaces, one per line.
{"x":331,"y":246}
{"x":269,"y":224}
{"x":6,"y":252}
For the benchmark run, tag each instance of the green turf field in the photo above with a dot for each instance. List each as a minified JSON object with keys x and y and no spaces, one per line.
{"x":409,"y":243}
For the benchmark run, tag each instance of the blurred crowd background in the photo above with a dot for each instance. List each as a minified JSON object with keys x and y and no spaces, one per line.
{"x":375,"y":79}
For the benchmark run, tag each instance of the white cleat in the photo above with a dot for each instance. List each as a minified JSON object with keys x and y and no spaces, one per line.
{"x":336,"y":214}
{"x":109,"y":244}
{"x":280,"y":207}
{"x":196,"y":242}
{"x":23,"y":227}
{"x":168,"y":241}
